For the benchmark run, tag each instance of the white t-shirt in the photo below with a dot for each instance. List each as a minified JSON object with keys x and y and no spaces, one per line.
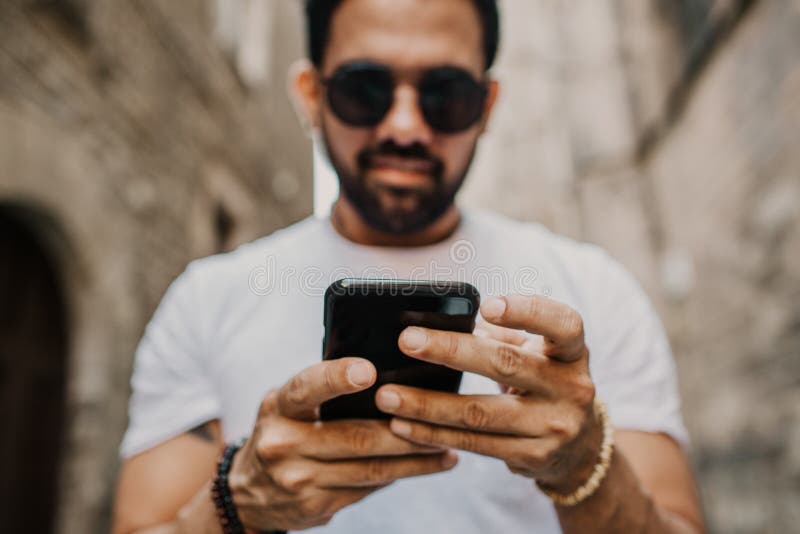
{"x":234,"y":326}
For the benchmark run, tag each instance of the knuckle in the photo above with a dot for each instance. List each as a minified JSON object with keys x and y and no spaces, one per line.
{"x":377,"y":471}
{"x":475,"y":415}
{"x":362,"y":438}
{"x":292,"y":480}
{"x":465,"y":441}
{"x":271,"y":447}
{"x":420,"y":407}
{"x":297,"y":392}
{"x":571,"y":324}
{"x":565,"y":429}
{"x":507,"y":360}
{"x":451,"y":348}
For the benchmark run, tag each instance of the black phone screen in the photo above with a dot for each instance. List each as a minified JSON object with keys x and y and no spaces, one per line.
{"x":364,"y":318}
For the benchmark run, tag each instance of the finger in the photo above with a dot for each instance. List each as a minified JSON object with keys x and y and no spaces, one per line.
{"x":519,"y":338}
{"x":561,"y":325}
{"x":532,"y":453}
{"x":499,"y":414}
{"x":500,"y":333}
{"x":380,"y":471}
{"x":350,"y":439}
{"x":319,"y":506}
{"x":502,"y":362}
{"x":301,"y":396}
{"x":530,"y":342}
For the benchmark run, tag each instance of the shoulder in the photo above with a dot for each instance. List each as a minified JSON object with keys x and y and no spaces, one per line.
{"x":229,"y":270}
{"x":216,"y":285}
{"x":533,"y":241}
{"x":583,"y":275}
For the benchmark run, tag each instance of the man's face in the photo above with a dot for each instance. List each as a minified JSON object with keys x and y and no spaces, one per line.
{"x":402,"y":174}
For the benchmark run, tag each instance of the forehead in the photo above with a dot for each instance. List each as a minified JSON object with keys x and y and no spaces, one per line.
{"x":406,"y":34}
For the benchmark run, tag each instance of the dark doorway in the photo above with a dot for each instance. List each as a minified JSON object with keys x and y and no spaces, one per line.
{"x":33,"y":354}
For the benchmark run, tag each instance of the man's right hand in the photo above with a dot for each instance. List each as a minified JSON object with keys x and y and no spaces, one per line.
{"x":296,"y":472}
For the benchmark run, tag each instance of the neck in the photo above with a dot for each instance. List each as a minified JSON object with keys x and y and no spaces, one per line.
{"x":350,"y":225}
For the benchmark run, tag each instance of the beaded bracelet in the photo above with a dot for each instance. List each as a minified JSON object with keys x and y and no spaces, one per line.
{"x":223,"y":500}
{"x":221,"y":492}
{"x":600,"y":469}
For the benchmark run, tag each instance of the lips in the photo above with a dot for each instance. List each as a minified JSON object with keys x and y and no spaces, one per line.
{"x":404,"y":165}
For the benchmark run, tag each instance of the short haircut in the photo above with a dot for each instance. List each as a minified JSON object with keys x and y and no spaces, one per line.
{"x":320,"y":12}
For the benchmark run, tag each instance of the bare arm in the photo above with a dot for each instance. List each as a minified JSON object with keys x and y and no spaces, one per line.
{"x":649,"y":489}
{"x":154,"y":485}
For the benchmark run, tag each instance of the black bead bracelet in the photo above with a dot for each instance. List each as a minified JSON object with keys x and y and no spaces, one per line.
{"x":221,"y":492}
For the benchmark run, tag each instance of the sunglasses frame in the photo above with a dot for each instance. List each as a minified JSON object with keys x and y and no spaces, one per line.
{"x":355,"y":67}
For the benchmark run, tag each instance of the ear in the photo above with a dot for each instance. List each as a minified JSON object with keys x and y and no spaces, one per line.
{"x":305,"y":93}
{"x":488,"y":106}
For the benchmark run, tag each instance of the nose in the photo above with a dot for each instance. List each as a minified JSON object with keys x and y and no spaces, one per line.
{"x":404,"y":123}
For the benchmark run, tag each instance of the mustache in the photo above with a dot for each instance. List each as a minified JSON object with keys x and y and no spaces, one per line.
{"x":416,"y":151}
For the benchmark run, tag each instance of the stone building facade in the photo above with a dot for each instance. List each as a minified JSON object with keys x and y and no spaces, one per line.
{"x":667,"y":131}
{"x":134,"y":136}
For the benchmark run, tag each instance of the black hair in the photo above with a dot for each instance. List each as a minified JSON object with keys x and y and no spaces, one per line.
{"x":320,"y":12}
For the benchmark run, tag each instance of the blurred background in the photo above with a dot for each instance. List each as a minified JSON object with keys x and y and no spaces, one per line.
{"x":137,"y":135}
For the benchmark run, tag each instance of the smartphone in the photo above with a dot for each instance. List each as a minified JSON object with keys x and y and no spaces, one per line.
{"x":364,"y":318}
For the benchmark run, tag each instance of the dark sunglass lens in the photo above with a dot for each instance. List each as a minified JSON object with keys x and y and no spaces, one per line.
{"x":451,"y":99}
{"x":360,"y":95}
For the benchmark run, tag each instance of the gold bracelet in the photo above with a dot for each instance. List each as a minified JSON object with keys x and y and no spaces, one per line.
{"x":600,"y":469}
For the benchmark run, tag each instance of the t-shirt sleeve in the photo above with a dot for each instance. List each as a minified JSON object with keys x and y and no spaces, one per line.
{"x":171,"y":388}
{"x":630,"y":356}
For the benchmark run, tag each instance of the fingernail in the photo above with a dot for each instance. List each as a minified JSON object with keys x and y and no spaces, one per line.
{"x":400,"y":427}
{"x":449,"y":459}
{"x":414,"y":338}
{"x":388,"y":400}
{"x":494,"y":307}
{"x":359,"y":374}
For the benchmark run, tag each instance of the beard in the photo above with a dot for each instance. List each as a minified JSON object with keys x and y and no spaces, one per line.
{"x":412,"y":209}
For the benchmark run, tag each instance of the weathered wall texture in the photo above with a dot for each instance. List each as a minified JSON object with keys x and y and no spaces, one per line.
{"x":664,"y":130}
{"x":129,"y":137}
{"x":726,"y":188}
{"x":667,"y":132}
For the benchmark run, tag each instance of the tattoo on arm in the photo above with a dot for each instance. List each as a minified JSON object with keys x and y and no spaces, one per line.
{"x":204,"y":431}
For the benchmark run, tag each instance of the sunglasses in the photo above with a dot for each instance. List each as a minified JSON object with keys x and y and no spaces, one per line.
{"x":361,"y":94}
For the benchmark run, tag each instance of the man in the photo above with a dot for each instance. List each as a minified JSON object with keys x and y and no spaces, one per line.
{"x":399,"y":92}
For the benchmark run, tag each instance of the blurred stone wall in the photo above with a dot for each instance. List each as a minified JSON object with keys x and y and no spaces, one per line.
{"x":138,"y":135}
{"x":667,"y":131}
{"x":133,"y":141}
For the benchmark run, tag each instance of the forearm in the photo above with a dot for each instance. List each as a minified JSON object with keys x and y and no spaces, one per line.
{"x":198,"y":516}
{"x":622,"y":505}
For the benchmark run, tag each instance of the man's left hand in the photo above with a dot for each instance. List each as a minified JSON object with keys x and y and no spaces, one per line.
{"x":544,"y":426}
